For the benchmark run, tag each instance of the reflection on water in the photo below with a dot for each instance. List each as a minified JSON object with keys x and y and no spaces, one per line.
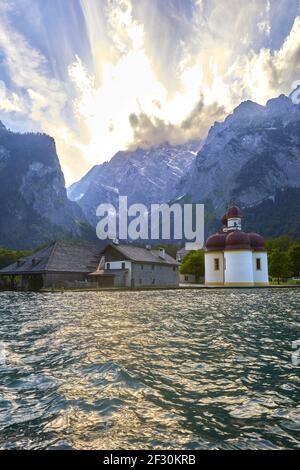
{"x":189,"y":369}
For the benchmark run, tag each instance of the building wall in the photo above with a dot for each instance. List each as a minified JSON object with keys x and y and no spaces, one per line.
{"x":102,"y":281}
{"x":124,"y":280}
{"x":154,"y":275}
{"x":238,"y":268}
{"x":260,"y":276}
{"x":213,"y":277}
{"x":63,"y":279}
{"x":187,"y":278}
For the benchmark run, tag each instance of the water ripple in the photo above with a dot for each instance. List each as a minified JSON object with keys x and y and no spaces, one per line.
{"x":169,"y":369}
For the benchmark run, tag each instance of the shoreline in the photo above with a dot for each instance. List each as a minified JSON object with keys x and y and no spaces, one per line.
{"x":143,"y":289}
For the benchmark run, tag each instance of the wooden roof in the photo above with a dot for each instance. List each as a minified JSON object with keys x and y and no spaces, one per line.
{"x":141,"y":255}
{"x":60,"y":256}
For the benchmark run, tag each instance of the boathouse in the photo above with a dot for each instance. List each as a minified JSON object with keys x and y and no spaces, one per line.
{"x":61,"y":264}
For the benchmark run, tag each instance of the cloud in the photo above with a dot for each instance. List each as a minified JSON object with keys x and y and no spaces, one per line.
{"x":9,"y":102}
{"x":138,"y":73}
{"x":39,"y":97}
{"x":126,"y":103}
{"x":270,"y":73}
{"x":151,"y":131}
{"x":223,"y":71}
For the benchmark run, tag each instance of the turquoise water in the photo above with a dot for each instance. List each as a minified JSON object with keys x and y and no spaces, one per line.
{"x":159,"y":369}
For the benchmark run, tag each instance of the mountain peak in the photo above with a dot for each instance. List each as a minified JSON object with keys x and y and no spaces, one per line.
{"x":2,"y":126}
{"x":246,"y":107}
{"x":282,"y":103}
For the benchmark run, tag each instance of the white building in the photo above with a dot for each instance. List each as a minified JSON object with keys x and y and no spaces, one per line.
{"x":233,"y":257}
{"x":135,"y":267}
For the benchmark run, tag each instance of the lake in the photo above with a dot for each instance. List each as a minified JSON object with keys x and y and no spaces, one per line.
{"x":191,"y":369}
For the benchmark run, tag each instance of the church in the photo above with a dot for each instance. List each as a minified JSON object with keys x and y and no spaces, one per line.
{"x":235,"y":258}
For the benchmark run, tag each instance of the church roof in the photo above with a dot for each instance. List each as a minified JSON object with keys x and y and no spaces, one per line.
{"x":234,"y":212}
{"x":216,"y":242}
{"x":237,"y":240}
{"x":233,"y":238}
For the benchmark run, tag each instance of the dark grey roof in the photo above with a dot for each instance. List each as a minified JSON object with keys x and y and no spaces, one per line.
{"x":58,"y":257}
{"x":143,"y":255}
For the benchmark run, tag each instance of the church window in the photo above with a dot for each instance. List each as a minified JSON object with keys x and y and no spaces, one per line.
{"x":217,"y":264}
{"x":258,"y":264}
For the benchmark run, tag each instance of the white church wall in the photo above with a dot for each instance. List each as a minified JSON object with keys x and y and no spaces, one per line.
{"x":260,"y":276}
{"x":213,"y":276}
{"x":239,"y":268}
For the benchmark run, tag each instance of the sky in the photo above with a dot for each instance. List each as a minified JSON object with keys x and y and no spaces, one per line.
{"x":107,"y":75}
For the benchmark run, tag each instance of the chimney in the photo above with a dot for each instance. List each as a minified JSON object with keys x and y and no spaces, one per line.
{"x":101,"y":265}
{"x":162,"y":253}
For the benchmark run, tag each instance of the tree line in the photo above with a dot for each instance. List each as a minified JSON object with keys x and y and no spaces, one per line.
{"x":283,"y":254}
{"x":8,"y":257}
{"x":284,"y":258}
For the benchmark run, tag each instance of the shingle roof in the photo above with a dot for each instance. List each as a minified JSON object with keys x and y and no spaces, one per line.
{"x":60,"y":256}
{"x":64,"y":256}
{"x":140,"y":254}
{"x":25,"y":265}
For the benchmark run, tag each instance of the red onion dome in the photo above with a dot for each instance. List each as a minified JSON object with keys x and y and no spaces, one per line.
{"x":234,"y":212}
{"x":257,"y":242}
{"x":238,"y":240}
{"x":224,"y":219}
{"x":216,"y":242}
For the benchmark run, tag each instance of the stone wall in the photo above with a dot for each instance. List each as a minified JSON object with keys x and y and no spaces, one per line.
{"x":154,"y":275}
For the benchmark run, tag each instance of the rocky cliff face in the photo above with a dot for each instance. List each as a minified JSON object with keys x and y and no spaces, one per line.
{"x":144,"y":176}
{"x":34,"y":204}
{"x":248,"y":157}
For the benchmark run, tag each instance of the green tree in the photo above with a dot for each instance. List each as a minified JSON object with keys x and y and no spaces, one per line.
{"x":294,"y":255}
{"x":8,"y":257}
{"x":193,"y":263}
{"x":281,"y":243}
{"x":279,"y":265}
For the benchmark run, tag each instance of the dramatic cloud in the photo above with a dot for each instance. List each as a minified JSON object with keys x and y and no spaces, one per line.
{"x":106,"y":75}
{"x":152,"y":131}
